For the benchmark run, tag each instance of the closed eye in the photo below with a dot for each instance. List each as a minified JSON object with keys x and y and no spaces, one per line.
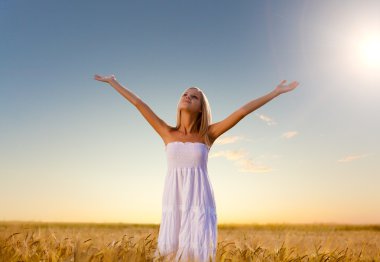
{"x":191,"y":96}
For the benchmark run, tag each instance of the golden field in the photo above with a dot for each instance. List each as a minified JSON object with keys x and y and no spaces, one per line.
{"x":29,"y":241}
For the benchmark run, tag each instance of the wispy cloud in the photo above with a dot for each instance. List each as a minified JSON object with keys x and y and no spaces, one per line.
{"x":289,"y":134}
{"x":230,"y":154}
{"x":247,"y":166}
{"x":266,"y":119}
{"x":228,"y":140}
{"x":350,"y":158}
{"x":242,"y":161}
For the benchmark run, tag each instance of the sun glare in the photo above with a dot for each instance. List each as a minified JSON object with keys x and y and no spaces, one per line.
{"x":369,"y":50}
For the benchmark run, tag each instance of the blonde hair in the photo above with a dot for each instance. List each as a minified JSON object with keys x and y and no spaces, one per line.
{"x":204,"y":118}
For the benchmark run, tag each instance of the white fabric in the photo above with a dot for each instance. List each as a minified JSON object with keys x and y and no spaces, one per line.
{"x":189,"y":221}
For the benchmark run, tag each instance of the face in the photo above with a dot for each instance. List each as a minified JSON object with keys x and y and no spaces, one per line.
{"x":191,"y":99}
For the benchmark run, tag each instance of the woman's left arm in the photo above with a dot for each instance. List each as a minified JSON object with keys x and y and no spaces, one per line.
{"x":280,"y":89}
{"x":217,"y":129}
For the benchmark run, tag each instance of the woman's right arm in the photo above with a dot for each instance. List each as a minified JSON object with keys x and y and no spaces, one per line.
{"x":129,"y":95}
{"x":157,"y":123}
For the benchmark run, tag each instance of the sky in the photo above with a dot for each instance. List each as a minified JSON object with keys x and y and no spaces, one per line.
{"x":72,"y":149}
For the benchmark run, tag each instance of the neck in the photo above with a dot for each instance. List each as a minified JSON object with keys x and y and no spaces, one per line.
{"x":187,"y":123}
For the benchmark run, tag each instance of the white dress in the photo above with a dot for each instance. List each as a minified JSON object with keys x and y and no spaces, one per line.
{"x":188,"y":229}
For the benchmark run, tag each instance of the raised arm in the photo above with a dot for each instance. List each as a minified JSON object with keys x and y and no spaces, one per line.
{"x":157,"y":123}
{"x":218,"y":128}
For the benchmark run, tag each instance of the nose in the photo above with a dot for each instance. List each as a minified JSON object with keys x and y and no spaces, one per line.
{"x":187,"y":98}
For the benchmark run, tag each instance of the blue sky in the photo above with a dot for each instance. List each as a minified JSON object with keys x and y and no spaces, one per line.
{"x":73,"y":149}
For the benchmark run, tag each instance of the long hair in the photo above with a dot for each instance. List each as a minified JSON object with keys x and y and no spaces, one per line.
{"x":203,"y":120}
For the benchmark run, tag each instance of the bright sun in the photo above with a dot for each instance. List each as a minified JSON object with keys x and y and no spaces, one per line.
{"x":369,"y":50}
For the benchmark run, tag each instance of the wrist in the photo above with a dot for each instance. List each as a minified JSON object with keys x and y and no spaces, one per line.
{"x":112,"y":81}
{"x":276,"y":92}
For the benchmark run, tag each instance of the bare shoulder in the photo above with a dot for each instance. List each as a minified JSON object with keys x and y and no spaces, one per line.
{"x":211,"y":133}
{"x":211,"y":137}
{"x":169,"y":134}
{"x":218,"y":128}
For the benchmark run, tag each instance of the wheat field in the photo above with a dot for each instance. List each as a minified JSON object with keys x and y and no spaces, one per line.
{"x":32,"y":241}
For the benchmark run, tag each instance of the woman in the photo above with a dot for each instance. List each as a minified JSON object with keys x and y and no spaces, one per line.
{"x":188,"y":229}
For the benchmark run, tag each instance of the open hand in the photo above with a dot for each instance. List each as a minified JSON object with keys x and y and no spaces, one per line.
{"x":106,"y":79}
{"x":283,"y":88}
